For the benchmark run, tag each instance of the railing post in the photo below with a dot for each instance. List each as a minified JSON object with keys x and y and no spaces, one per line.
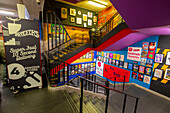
{"x":124,"y":103}
{"x":51,"y":30}
{"x":124,"y":83}
{"x":68,"y":74}
{"x":78,"y":82}
{"x":136,"y":104}
{"x":107,"y":98}
{"x":94,"y":84}
{"x":97,"y":88}
{"x":86,"y":82}
{"x":81,"y":97}
{"x":114,"y":82}
{"x":64,"y":72}
{"x":89,"y":83}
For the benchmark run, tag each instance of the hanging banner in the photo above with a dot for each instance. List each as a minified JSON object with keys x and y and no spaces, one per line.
{"x":99,"y":68}
{"x":134,"y":53}
{"x":22,"y":48}
{"x":111,"y":72}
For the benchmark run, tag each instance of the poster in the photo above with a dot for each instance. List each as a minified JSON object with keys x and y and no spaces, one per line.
{"x":64,"y":13}
{"x":114,"y":56}
{"x":117,"y":62}
{"x":118,"y":57}
{"x":79,"y":20}
{"x":90,"y":14}
{"x":84,"y":17}
{"x":122,"y":57}
{"x":72,"y":12}
{"x":99,"y":68}
{"x":121,"y":64}
{"x":134,"y":53}
{"x":141,"y":69}
{"x":167,"y":58}
{"x":143,"y":61}
{"x":147,"y":79}
{"x":21,"y":41}
{"x":134,"y":75}
{"x":89,"y":22}
{"x":158,"y":73}
{"x":152,"y":46}
{"x":167,"y":74}
{"x":159,"y":58}
{"x":111,"y":55}
{"x":112,"y":71}
{"x":135,"y":67}
{"x":148,"y":70}
{"x":145,"y":45}
{"x":94,"y":18}
{"x":140,"y":77}
{"x":125,"y":65}
{"x":144,"y":54}
{"x":107,"y":55}
{"x":149,"y":62}
{"x":130,"y":66}
{"x":113,"y":62}
{"x":151,"y":54}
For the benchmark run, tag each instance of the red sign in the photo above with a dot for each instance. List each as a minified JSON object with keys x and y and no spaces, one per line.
{"x":111,"y":72}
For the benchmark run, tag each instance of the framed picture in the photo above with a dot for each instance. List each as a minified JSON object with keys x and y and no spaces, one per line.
{"x":85,"y":24}
{"x":135,"y":67}
{"x":105,"y":54}
{"x":147,"y":79}
{"x":152,"y":46}
{"x":158,"y":73}
{"x":72,"y":19}
{"x":143,"y":61}
{"x":64,"y":13}
{"x":114,"y":56}
{"x":141,"y":69}
{"x":89,"y":22}
{"x":118,"y":57}
{"x":84,"y":17}
{"x":167,"y":58}
{"x":134,"y":75}
{"x":122,"y":57}
{"x":148,"y":71}
{"x":104,"y":59}
{"x":149,"y":62}
{"x":117,"y":62}
{"x":167,"y":74}
{"x":151,"y":54}
{"x":111,"y":55}
{"x":79,"y":12}
{"x":107,"y":60}
{"x":110,"y":61}
{"x":125,"y":65}
{"x":159,"y":58}
{"x":145,"y":45}
{"x":121,"y":64}
{"x":72,"y":12}
{"x":130,"y":66}
{"x":140,"y":77}
{"x":94,"y":18}
{"x":90,"y":14}
{"x":113,"y":62}
{"x":79,"y":20}
{"x":144,"y":54}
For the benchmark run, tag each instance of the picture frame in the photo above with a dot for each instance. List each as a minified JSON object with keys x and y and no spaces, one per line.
{"x":134,"y":75}
{"x":145,"y":45}
{"x":135,"y":67}
{"x":167,"y":62}
{"x":130,"y":66}
{"x":113,"y":62}
{"x":79,"y":12}
{"x":90,"y":14}
{"x":72,"y":12}
{"x":167,"y":74}
{"x":85,"y":24}
{"x":159,"y":58}
{"x":117,"y":62}
{"x":89,"y":22}
{"x":140,"y":77}
{"x":158,"y":73}
{"x":79,"y":20}
{"x":142,"y":69}
{"x":94,"y":18}
{"x":152,"y":46}
{"x":72,"y":19}
{"x":121,"y":64}
{"x":125,"y":65}
{"x":148,"y":70}
{"x":84,"y":17}
{"x":147,"y":79}
{"x":122,"y":57}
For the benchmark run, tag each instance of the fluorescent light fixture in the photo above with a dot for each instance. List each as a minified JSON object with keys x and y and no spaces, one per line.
{"x":96,"y":4}
{"x":6,"y":12}
{"x":102,"y":2}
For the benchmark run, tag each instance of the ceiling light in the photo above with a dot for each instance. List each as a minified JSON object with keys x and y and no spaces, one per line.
{"x":102,"y":2}
{"x":0,"y":22}
{"x":6,"y":12}
{"x":96,"y":4}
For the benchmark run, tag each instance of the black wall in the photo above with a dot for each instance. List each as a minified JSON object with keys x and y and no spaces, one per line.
{"x":163,"y":43}
{"x":55,"y":5}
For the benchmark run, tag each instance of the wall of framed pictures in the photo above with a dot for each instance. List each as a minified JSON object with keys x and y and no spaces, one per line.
{"x":161,"y":76}
{"x":76,"y":16}
{"x":140,"y":70}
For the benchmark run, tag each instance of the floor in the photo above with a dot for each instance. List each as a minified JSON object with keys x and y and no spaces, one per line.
{"x":46,"y":101}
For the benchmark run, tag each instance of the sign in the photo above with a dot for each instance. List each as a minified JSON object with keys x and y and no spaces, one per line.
{"x":134,"y":53}
{"x":110,"y":72}
{"x":22,"y":47}
{"x":99,"y":68}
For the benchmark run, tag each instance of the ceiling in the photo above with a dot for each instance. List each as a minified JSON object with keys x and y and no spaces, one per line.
{"x":32,"y":7}
{"x":140,"y":14}
{"x":86,"y":5}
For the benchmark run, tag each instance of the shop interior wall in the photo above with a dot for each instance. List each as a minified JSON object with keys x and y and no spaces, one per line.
{"x":105,"y":15}
{"x":58,"y":5}
{"x":124,"y":52}
{"x":157,"y":84}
